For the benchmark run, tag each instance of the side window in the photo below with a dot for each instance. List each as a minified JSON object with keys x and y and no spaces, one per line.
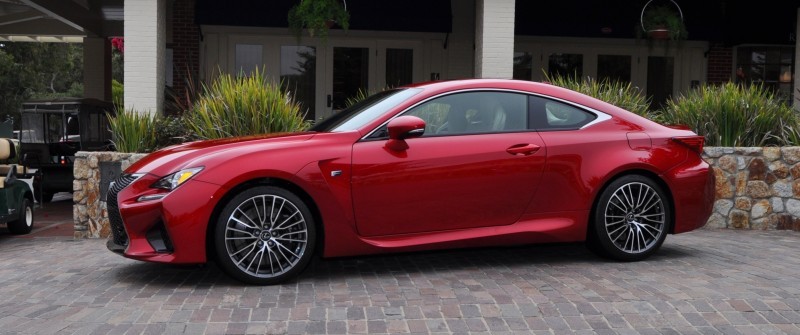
{"x":434,"y":113}
{"x":549,"y":114}
{"x":473,"y":113}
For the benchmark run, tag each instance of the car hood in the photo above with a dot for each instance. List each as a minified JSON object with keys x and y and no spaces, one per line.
{"x":174,"y":158}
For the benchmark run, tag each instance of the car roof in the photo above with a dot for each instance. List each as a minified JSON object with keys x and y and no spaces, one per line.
{"x":509,"y":84}
{"x":546,"y":89}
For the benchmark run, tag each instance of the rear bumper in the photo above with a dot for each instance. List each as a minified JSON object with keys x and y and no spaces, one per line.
{"x":693,"y":192}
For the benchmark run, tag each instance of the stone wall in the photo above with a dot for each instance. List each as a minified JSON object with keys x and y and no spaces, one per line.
{"x":757,"y":188}
{"x":88,"y":211}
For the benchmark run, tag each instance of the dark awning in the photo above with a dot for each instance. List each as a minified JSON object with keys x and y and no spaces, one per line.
{"x":730,"y":21}
{"x":407,"y":15}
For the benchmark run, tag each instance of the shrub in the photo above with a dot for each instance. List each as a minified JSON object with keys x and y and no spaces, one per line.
{"x":171,"y":130}
{"x":244,"y":105}
{"x":734,"y":115}
{"x":133,"y":131}
{"x":117,"y":94}
{"x":622,"y":95}
{"x":362,"y":94}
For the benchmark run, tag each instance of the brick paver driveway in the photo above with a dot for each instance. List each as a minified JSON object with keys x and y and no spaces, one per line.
{"x":703,"y":282}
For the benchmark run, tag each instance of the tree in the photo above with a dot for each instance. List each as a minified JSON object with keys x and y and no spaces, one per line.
{"x":38,"y":71}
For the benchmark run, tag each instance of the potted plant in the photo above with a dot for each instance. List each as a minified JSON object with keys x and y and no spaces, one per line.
{"x":318,"y":16}
{"x":663,"y":22}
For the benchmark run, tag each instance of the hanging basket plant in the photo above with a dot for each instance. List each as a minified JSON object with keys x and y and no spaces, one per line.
{"x":663,"y":22}
{"x":318,"y":16}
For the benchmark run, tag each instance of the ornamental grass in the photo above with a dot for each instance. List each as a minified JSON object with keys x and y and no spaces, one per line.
{"x":621,"y":94}
{"x":734,"y":115}
{"x":132,"y":131}
{"x":243,"y":105}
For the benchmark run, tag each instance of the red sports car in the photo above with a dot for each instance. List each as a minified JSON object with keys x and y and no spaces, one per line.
{"x":435,"y":165}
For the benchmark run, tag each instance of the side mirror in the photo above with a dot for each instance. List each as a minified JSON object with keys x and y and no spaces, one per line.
{"x":405,"y":127}
{"x":402,"y":128}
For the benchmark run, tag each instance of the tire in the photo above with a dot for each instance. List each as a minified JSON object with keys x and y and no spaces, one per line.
{"x":24,"y":224}
{"x":44,"y":197}
{"x":631,"y":219}
{"x":264,"y":235}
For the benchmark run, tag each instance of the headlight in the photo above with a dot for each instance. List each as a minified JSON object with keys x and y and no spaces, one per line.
{"x":170,"y":182}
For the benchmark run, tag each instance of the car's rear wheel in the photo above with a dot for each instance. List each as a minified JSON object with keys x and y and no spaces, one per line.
{"x":24,"y":224}
{"x":631,"y":219}
{"x":265,"y":235}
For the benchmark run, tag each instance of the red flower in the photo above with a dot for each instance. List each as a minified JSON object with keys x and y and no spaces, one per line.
{"x":119,"y":43}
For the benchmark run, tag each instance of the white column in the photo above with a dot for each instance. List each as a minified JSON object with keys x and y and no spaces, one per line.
{"x":97,"y":68}
{"x":494,"y":39}
{"x":796,"y":100}
{"x":145,"y":39}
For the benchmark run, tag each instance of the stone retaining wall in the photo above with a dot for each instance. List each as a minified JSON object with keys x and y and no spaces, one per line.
{"x":757,"y":188}
{"x":88,"y":211}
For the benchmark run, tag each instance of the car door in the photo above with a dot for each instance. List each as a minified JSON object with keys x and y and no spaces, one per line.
{"x":476,"y":166}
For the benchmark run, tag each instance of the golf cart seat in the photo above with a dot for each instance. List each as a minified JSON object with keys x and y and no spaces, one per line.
{"x":9,"y":172}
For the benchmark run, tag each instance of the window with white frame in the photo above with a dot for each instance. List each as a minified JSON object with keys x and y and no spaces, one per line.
{"x":771,"y":66}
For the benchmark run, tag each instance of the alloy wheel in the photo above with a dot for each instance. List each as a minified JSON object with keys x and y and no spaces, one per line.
{"x":266,"y":236}
{"x":635,"y":218}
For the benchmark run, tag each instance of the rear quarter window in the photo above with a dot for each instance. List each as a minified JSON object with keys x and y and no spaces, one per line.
{"x":548,"y":114}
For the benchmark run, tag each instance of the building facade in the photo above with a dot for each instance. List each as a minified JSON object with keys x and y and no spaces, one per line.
{"x":394,"y":43}
{"x":388,"y":46}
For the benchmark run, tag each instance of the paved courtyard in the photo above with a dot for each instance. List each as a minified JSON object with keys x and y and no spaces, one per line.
{"x":708,"y":282}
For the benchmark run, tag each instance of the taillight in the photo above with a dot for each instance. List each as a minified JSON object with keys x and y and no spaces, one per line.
{"x":695,"y":143}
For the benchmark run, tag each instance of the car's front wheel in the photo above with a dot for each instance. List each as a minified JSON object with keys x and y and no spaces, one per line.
{"x":631,"y":219}
{"x":265,"y":235}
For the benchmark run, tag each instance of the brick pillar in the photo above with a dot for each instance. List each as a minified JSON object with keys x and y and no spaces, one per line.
{"x":494,"y":39}
{"x":720,"y":64}
{"x":145,"y":40}
{"x":185,"y":46}
{"x":97,"y":68}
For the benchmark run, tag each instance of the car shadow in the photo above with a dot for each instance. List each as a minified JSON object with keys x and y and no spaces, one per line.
{"x":445,"y":263}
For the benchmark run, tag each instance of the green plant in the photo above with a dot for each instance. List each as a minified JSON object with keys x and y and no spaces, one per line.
{"x":621,"y":94}
{"x":317,"y":16}
{"x":358,"y":97}
{"x":133,"y":131}
{"x":664,"y":17}
{"x":171,"y":130}
{"x":244,"y":105}
{"x":791,"y":133}
{"x":117,"y":94}
{"x":177,"y":102}
{"x":735,"y":115}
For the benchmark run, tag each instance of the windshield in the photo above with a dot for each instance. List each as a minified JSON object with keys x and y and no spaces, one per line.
{"x":49,"y":128}
{"x":365,"y":111}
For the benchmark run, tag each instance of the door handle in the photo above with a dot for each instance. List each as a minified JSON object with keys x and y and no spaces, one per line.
{"x":330,"y":100}
{"x":523,"y":149}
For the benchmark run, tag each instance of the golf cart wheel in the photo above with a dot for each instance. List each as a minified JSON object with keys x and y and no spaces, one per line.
{"x":24,"y":224}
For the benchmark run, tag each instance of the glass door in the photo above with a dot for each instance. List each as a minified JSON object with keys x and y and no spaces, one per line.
{"x":399,"y":67}
{"x":399,"y":63}
{"x":660,"y":76}
{"x":350,"y":74}
{"x":299,"y":76}
{"x":354,"y":69}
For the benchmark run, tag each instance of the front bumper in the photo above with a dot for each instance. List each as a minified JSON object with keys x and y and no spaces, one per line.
{"x":171,"y":229}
